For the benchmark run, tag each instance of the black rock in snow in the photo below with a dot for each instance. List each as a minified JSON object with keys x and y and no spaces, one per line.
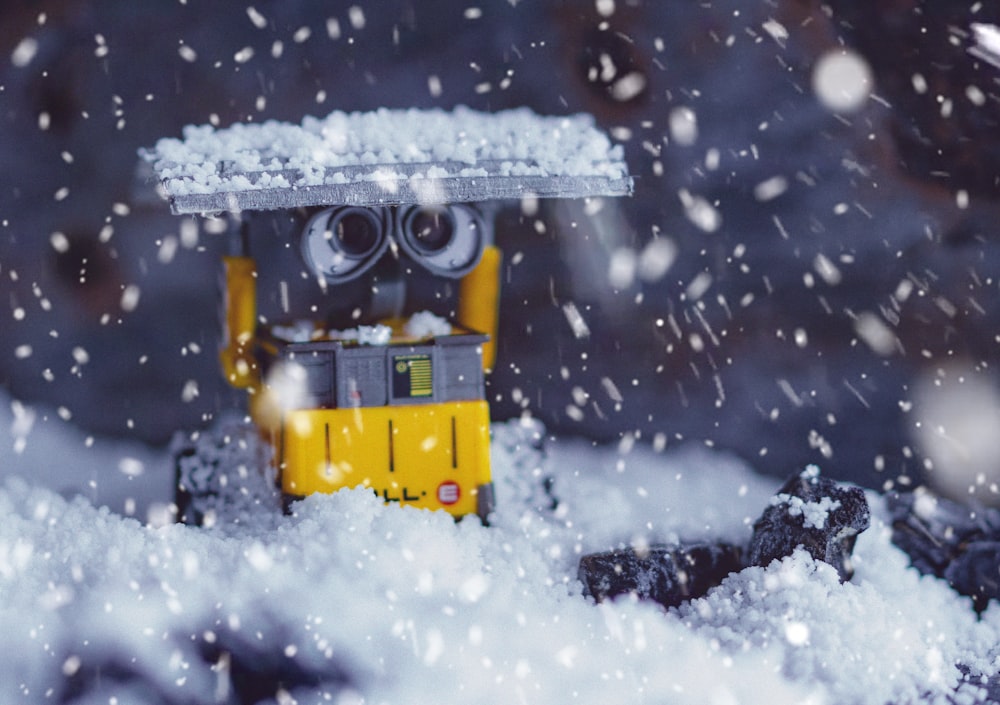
{"x":976,"y":573}
{"x":818,"y":514}
{"x":258,"y":672}
{"x":934,"y":531}
{"x":949,"y":540}
{"x":667,"y":574}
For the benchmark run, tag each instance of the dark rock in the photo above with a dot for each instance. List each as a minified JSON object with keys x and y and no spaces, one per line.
{"x":958,"y":543}
{"x":669,"y":575}
{"x":976,"y":573}
{"x":818,"y":514}
{"x":249,"y":667}
{"x":934,"y":531}
{"x":112,"y":679}
{"x":258,"y":671}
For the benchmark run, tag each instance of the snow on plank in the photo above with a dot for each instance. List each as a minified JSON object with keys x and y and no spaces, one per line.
{"x":388,"y":157}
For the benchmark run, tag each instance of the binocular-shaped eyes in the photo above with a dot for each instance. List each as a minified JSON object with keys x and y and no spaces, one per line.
{"x":342,"y":243}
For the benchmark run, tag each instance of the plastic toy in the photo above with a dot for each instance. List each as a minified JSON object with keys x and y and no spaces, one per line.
{"x":397,"y":406}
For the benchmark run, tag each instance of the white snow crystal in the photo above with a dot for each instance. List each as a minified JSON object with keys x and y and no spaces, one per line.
{"x":842,"y":80}
{"x":24,"y":52}
{"x":814,"y":514}
{"x":657,"y":258}
{"x":20,"y":427}
{"x":700,"y":212}
{"x":987,"y":46}
{"x":683,"y":124}
{"x":811,"y":472}
{"x":872,"y":329}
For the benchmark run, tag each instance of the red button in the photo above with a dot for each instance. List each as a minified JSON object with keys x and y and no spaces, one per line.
{"x":448,"y":492}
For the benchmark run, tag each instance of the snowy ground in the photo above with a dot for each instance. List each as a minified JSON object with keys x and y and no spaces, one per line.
{"x":773,"y":201}
{"x":352,"y":601}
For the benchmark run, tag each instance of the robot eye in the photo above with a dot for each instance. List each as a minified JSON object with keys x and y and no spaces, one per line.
{"x":447,"y":240}
{"x":431,"y":229}
{"x":355,"y":233}
{"x":342,"y":243}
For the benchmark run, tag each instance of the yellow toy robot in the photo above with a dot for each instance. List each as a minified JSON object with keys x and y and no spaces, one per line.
{"x":398,"y":406}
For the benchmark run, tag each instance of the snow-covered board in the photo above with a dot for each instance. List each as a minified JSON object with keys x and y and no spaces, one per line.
{"x":388,"y":157}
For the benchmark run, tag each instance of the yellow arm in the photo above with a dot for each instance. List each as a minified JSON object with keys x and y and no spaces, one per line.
{"x":240,"y":323}
{"x":479,"y":301}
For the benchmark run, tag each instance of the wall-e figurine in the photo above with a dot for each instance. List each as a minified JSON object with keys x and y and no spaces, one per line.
{"x":378,"y":198}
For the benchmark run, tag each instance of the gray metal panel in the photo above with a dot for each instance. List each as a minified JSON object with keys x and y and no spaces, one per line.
{"x":320,"y":382}
{"x":402,"y":191}
{"x":362,"y":375}
{"x":461,"y":372}
{"x":447,"y":368}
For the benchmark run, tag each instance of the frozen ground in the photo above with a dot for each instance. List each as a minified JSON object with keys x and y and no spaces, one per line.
{"x":351,"y":601}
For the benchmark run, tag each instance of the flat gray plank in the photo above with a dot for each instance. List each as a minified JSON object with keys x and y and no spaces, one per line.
{"x":457,"y":189}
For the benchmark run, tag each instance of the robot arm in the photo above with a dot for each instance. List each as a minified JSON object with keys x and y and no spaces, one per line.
{"x":239,"y":320}
{"x":479,"y":300}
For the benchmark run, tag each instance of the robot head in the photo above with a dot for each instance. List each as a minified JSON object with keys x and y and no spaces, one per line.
{"x":342,"y":243}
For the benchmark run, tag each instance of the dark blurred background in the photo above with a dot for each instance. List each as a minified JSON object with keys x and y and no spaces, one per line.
{"x":802,"y":275}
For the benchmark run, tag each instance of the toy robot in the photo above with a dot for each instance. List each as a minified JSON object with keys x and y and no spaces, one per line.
{"x":397,"y":406}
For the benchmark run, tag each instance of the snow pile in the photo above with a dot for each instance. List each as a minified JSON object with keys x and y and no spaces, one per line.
{"x":423,"y":324}
{"x":367,"y":335}
{"x":302,"y":331}
{"x":887,"y":636}
{"x":371,"y":146}
{"x":306,"y":332}
{"x":223,"y":470}
{"x":38,"y":445}
{"x":426,"y":324}
{"x":351,"y":601}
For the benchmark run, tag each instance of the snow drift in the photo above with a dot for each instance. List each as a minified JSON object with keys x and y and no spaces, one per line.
{"x":349,"y":600}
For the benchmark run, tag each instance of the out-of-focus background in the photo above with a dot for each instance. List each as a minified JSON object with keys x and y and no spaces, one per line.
{"x":808,"y":271}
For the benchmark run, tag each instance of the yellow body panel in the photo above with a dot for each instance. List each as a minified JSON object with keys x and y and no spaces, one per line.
{"x":434,"y":456}
{"x":237,"y":355}
{"x":479,"y":301}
